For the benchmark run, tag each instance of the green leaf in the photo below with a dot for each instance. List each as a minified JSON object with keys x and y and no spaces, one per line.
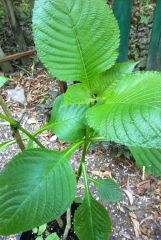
{"x":36,"y":187}
{"x":131,"y":114}
{"x":42,"y":229}
{"x":77,"y":94}
{"x":111,"y":76}
{"x":39,"y":238}
{"x":150,"y":158}
{"x":108,"y":190}
{"x":91,"y":221}
{"x":68,"y":121}
{"x":76,"y":40}
{"x":3,"y":80}
{"x":52,"y":236}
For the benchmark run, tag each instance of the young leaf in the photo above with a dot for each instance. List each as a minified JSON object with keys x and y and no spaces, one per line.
{"x":42,"y":229}
{"x":36,"y":187}
{"x":131,"y":114}
{"x":76,"y":40}
{"x":68,"y":121}
{"x":52,"y":236}
{"x":150,"y":158}
{"x":3,"y":80}
{"x":91,"y":221}
{"x":77,"y":94}
{"x":111,"y":76}
{"x":108,"y":190}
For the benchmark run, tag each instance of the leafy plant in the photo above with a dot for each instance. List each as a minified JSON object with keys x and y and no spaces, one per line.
{"x":78,"y":41}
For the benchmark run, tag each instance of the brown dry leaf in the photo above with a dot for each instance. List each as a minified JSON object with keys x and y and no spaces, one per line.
{"x":136,"y":226}
{"x":129,"y":194}
{"x":102,"y":174}
{"x":143,"y":186}
{"x":147,"y":218}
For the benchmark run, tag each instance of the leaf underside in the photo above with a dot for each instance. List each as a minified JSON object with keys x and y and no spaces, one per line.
{"x":150,"y":158}
{"x":76,"y":40}
{"x":37,"y":186}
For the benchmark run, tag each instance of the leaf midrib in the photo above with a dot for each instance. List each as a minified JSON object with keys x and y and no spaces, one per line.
{"x":35,"y":189}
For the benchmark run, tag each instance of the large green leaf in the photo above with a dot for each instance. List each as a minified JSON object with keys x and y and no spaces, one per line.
{"x":108,"y":190}
{"x":77,"y":94}
{"x":150,"y":158}
{"x":111,"y":76}
{"x":91,"y":221}
{"x":3,"y":80}
{"x":36,"y":187}
{"x":68,"y":121}
{"x":132,"y":112}
{"x":76,"y":40}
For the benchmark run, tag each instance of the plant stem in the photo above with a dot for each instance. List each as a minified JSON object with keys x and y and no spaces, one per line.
{"x":15,"y":126}
{"x":68,"y":224}
{"x":85,"y":149}
{"x":84,"y":171}
{"x":15,"y":131}
{"x":31,"y":136}
{"x":60,"y":222}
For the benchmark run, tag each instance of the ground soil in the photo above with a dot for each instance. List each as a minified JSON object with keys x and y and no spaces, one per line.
{"x":137,"y":216}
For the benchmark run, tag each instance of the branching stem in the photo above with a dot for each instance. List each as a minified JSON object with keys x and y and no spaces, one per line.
{"x":15,"y":131}
{"x":15,"y":126}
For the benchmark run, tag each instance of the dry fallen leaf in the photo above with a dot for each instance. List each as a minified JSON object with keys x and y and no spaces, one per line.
{"x":129,"y":195}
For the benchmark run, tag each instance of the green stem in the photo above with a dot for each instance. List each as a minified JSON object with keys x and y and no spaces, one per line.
{"x":15,"y":125}
{"x":84,"y":171}
{"x":8,"y":117}
{"x":31,"y":136}
{"x":85,"y":150}
{"x":68,"y":224}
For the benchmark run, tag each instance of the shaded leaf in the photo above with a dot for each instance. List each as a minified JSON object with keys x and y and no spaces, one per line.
{"x":68,"y":121}
{"x":52,"y":236}
{"x":150,"y":158}
{"x":111,"y":76}
{"x":91,"y":221}
{"x":77,"y":94}
{"x":108,"y":190}
{"x":3,"y":80}
{"x":36,"y":187}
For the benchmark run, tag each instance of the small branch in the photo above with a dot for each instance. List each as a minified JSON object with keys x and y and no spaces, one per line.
{"x":17,"y":126}
{"x":60,"y":222}
{"x":15,"y":131}
{"x":17,"y":56}
{"x":85,"y":150}
{"x":68,"y":225}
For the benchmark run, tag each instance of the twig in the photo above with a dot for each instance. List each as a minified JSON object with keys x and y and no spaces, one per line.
{"x":68,"y":224}
{"x":60,"y":222}
{"x":15,"y":131}
{"x":17,"y":55}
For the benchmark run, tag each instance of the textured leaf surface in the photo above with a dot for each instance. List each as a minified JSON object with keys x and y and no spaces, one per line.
{"x":108,"y":190}
{"x":77,"y":94}
{"x":3,"y":80}
{"x":91,"y":221}
{"x":75,"y":39}
{"x":111,"y":76}
{"x":132,"y":112}
{"x":36,"y":187}
{"x":150,"y":158}
{"x":68,"y":121}
{"x":53,"y":236}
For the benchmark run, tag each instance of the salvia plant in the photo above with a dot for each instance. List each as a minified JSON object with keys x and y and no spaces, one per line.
{"x":78,"y":40}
